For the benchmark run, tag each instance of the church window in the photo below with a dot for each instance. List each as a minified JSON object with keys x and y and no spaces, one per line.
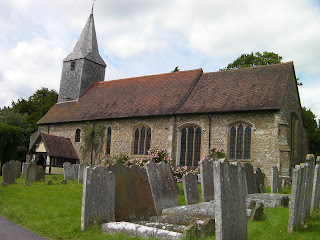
{"x":190,"y":146}
{"x":72,"y":65}
{"x":240,"y":141}
{"x":77,"y":137}
{"x":108,"y":145}
{"x":142,"y":140}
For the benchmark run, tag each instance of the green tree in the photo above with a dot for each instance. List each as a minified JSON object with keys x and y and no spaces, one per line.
{"x":253,"y":60}
{"x":310,"y":123}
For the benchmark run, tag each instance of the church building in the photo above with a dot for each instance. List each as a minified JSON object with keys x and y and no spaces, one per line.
{"x":254,"y":113}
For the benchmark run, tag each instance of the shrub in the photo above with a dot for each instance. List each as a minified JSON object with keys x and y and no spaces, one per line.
{"x":214,"y":153}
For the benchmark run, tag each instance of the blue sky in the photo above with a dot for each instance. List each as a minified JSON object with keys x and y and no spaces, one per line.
{"x":142,"y":37}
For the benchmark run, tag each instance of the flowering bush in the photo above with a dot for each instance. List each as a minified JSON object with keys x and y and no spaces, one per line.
{"x":159,"y":155}
{"x":214,"y":153}
{"x":180,"y":171}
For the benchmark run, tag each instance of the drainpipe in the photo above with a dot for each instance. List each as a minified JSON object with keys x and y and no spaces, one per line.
{"x":209,"y":129}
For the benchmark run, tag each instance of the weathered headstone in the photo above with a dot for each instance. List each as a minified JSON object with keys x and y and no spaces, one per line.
{"x":316,"y":187}
{"x":275,"y":180}
{"x":260,"y":180}
{"x":32,"y":172}
{"x":162,"y":185}
{"x":67,"y":171}
{"x":7,"y":175}
{"x":24,"y":169}
{"x":250,"y":178}
{"x":98,"y":198}
{"x":18,"y":169}
{"x":82,"y":167}
{"x":40,"y":174}
{"x":75,"y":168}
{"x":13,"y":168}
{"x":190,"y":187}
{"x":207,"y":181}
{"x":310,"y":159}
{"x":230,"y":198}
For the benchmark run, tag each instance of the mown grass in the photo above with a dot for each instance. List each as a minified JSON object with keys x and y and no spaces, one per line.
{"x":54,"y":211}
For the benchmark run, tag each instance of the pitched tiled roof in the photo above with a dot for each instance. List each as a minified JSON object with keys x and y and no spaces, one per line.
{"x":185,"y":92}
{"x":247,"y":89}
{"x":59,"y":146}
{"x":141,"y":96}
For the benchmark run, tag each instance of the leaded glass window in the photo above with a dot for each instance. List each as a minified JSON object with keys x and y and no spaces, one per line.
{"x":142,"y":140}
{"x":190,"y":146}
{"x":240,"y":141}
{"x":77,"y":135}
{"x":108,"y":147}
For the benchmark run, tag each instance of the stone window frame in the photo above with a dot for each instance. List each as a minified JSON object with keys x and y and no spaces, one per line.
{"x":107,"y":143}
{"x":179,"y":135}
{"x":72,"y":65}
{"x":77,"y":137}
{"x":236,"y":124}
{"x":139,"y":128}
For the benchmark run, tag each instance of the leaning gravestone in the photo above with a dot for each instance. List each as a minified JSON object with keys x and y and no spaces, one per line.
{"x":7,"y":175}
{"x":32,"y":172}
{"x":82,"y":166}
{"x":75,"y":168}
{"x":275,"y":180}
{"x":67,"y":171}
{"x":162,"y":185}
{"x":250,"y":178}
{"x":259,"y":175}
{"x":98,"y":198}
{"x":18,"y":169}
{"x":24,"y":169}
{"x":230,"y":199}
{"x":207,"y":182}
{"x":40,"y":174}
{"x":190,"y":187}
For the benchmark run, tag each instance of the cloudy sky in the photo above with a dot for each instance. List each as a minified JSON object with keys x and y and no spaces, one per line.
{"x":143,"y":37}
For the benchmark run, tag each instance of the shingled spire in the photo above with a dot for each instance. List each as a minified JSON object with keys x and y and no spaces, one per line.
{"x":83,"y":66}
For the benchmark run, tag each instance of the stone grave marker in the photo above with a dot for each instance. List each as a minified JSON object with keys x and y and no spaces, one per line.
{"x":75,"y":168}
{"x":275,"y":180}
{"x":18,"y":169}
{"x":67,"y":171}
{"x":24,"y":169}
{"x":32,"y":172}
{"x":98,"y":198}
{"x":82,"y":166}
{"x":162,"y":185}
{"x":7,"y":176}
{"x":207,"y":181}
{"x":190,"y":187}
{"x":316,"y":187}
{"x":40,"y":174}
{"x":14,"y":168}
{"x":230,"y":198}
{"x":250,"y":178}
{"x":259,"y":175}
{"x":310,"y":159}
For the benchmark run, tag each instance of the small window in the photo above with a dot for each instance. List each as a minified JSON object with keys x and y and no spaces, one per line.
{"x":77,"y":137}
{"x":108,"y":147}
{"x":240,"y":142}
{"x":142,"y":140}
{"x":72,"y":65}
{"x":190,"y":146}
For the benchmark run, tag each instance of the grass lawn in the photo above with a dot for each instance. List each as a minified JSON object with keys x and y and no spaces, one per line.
{"x":54,"y":211}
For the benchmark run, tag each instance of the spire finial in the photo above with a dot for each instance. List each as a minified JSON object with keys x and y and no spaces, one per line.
{"x":92,"y":6}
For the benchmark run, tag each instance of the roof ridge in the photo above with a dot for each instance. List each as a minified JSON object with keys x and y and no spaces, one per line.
{"x":260,"y":66}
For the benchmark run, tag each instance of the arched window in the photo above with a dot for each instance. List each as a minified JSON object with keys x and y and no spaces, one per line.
{"x":108,"y":144}
{"x":77,"y":136}
{"x":240,"y":141}
{"x":142,"y":140}
{"x":190,"y":146}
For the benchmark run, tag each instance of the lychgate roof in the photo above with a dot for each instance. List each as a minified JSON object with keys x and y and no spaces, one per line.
{"x":184,"y":92}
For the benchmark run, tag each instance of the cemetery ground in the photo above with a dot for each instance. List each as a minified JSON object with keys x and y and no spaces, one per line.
{"x":54,"y":211}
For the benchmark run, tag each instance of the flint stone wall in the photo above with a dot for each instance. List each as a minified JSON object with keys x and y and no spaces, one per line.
{"x":98,"y":198}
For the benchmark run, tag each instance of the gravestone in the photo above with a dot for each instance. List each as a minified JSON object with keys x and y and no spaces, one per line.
{"x":98,"y":198}
{"x":7,"y":176}
{"x":207,"y":181}
{"x":250,"y":178}
{"x":259,"y":175}
{"x":24,"y":169}
{"x":67,"y":171}
{"x":18,"y":169}
{"x":40,"y":174}
{"x":230,"y":198}
{"x":275,"y":180}
{"x":32,"y":172}
{"x":316,"y":187}
{"x":190,"y":187}
{"x":82,"y":167}
{"x":13,"y":168}
{"x":162,"y":185}
{"x":310,"y":159}
{"x":75,"y":168}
